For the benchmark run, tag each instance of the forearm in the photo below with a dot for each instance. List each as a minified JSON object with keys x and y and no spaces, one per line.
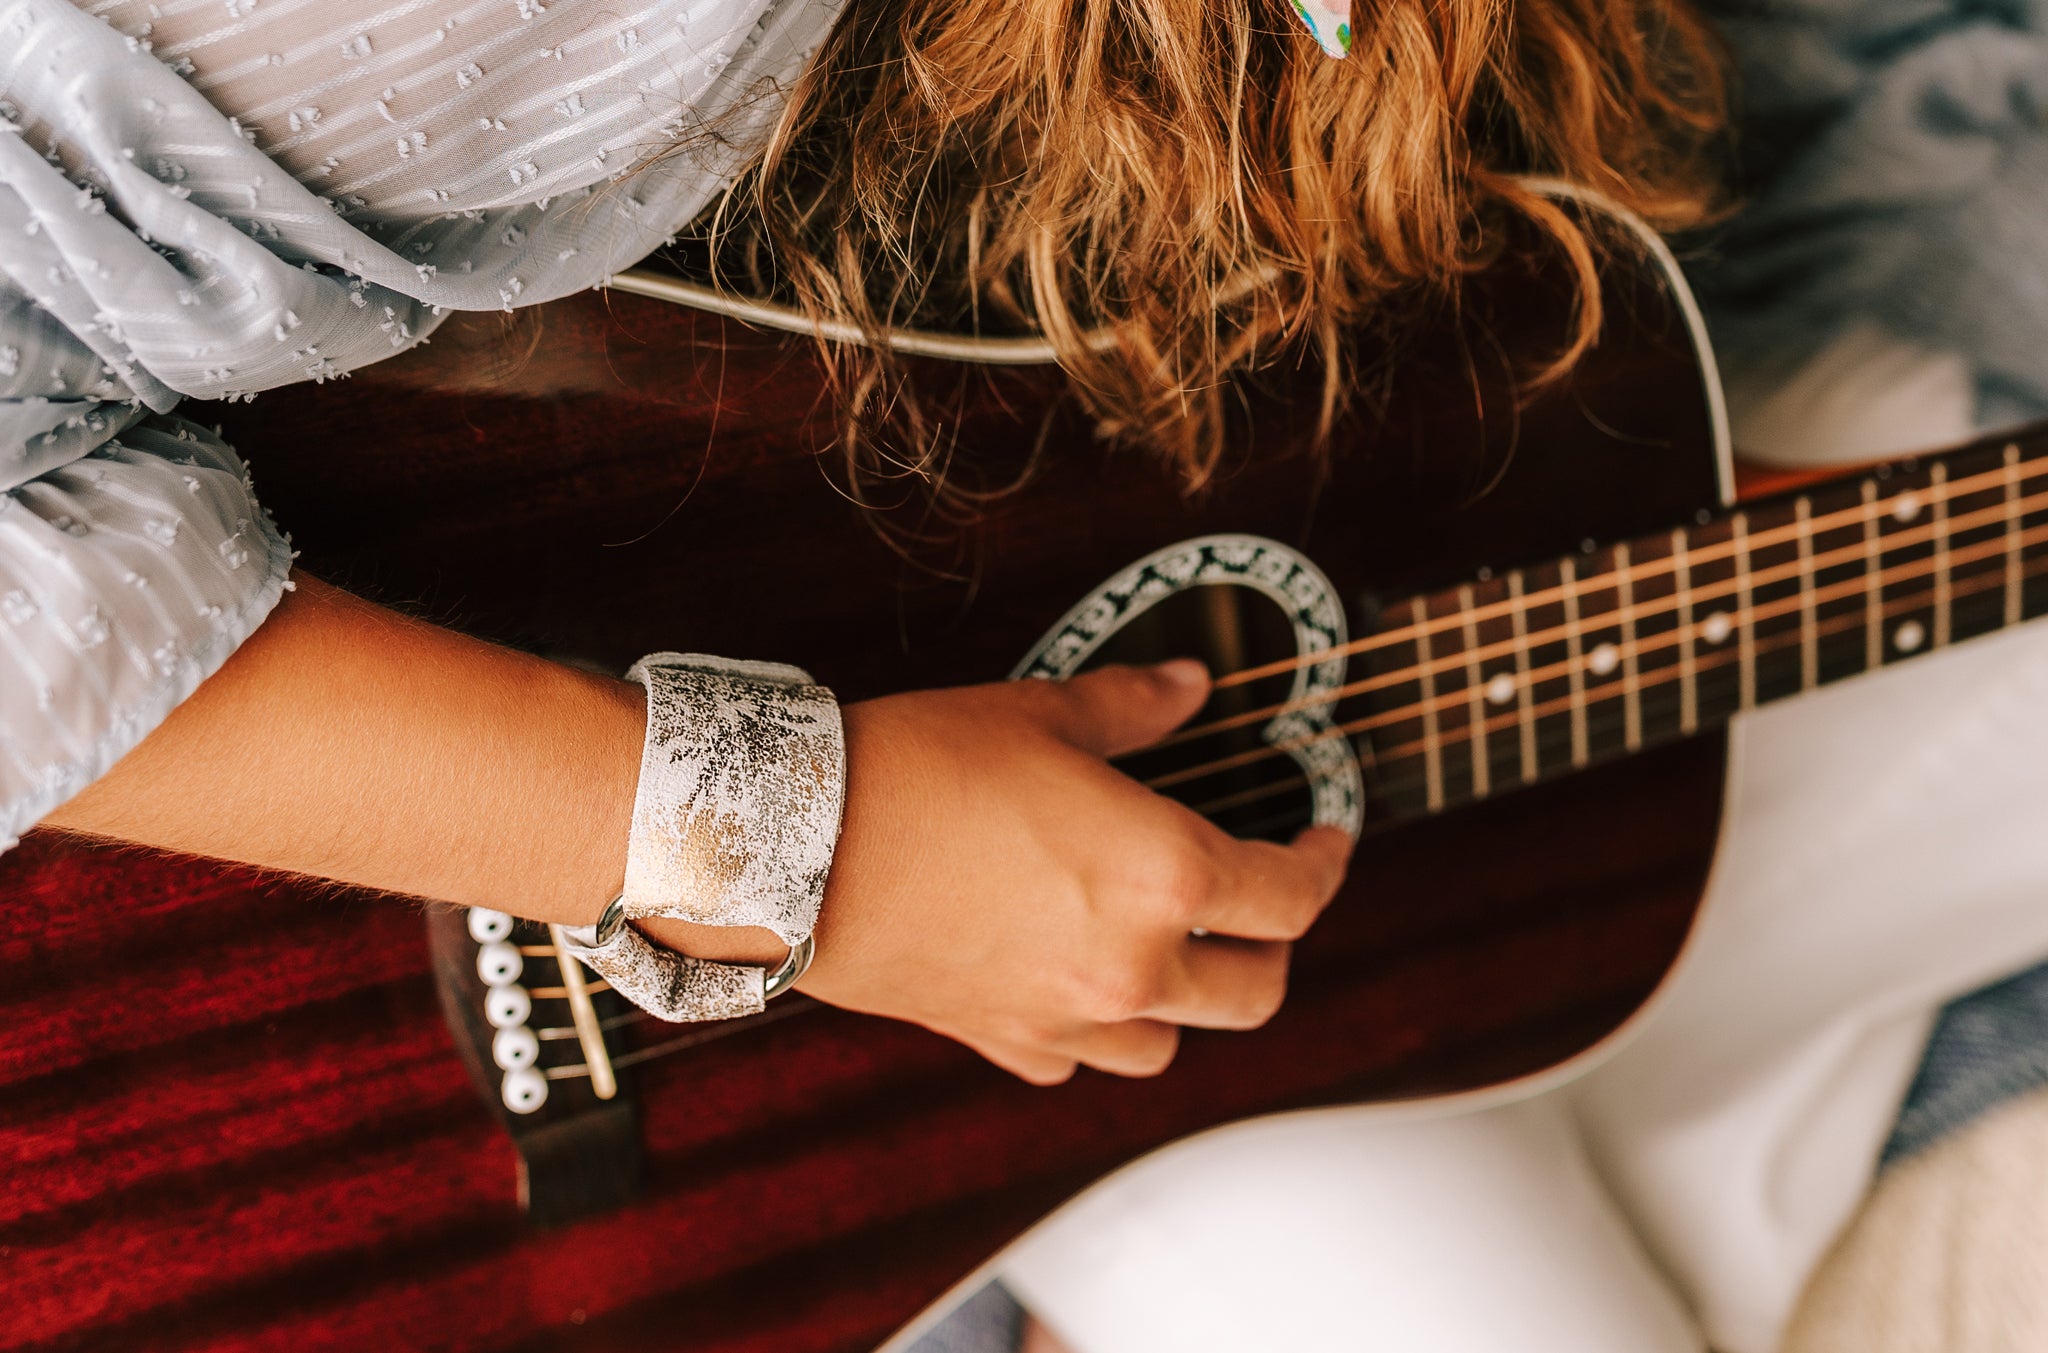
{"x":349,"y":742}
{"x":994,"y":877}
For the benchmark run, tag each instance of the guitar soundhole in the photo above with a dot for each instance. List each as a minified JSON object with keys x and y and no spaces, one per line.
{"x":1221,"y":763}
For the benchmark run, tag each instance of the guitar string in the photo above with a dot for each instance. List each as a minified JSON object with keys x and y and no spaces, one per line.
{"x":1979,"y":584}
{"x":618,"y":1021}
{"x":1452,"y":700}
{"x":713,"y":1032}
{"x":697,"y":1037}
{"x":1599,"y":722}
{"x":771,"y":1016}
{"x":1678,"y":601}
{"x":1860,"y":515}
{"x":1449,"y":701}
{"x":1839,"y":625}
{"x":1601,"y":726}
{"x":1778,"y":535}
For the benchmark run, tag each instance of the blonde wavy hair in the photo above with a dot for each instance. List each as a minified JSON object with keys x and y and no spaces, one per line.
{"x":1198,"y":180}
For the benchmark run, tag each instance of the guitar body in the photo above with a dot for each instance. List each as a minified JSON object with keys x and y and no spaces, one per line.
{"x":234,"y":1117}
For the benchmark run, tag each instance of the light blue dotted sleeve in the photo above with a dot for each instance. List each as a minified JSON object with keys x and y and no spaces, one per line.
{"x":127,"y":577}
{"x":207,"y":201}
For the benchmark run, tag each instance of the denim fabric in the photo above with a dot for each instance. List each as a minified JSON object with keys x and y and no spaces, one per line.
{"x":1895,"y":164}
{"x":990,"y":1321}
{"x":1988,"y":1047}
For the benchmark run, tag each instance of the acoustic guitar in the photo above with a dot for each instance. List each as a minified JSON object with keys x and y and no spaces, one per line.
{"x":1500,"y":629}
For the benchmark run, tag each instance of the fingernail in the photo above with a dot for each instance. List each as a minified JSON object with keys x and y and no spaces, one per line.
{"x":1188,"y":672}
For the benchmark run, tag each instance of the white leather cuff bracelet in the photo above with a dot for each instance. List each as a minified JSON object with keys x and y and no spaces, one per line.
{"x":742,"y":780}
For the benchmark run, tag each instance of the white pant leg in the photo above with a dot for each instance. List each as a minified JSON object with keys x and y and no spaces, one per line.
{"x":1887,"y":851}
{"x":1342,"y":1230}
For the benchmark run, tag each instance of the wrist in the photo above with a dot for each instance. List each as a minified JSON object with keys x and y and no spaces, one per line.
{"x":610,"y":724}
{"x":734,"y":818}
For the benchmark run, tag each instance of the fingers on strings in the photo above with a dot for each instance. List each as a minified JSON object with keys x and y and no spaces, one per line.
{"x":1268,"y":891}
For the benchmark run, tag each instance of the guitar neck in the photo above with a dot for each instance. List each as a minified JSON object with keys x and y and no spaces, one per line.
{"x":1520,"y":677}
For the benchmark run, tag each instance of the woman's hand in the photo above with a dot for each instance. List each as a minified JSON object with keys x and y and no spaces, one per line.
{"x":997,"y":881}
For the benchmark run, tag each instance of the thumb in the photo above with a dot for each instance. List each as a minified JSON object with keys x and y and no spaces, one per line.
{"x":1114,"y":710}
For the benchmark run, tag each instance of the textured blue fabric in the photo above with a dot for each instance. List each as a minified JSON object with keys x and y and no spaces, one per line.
{"x":1895,"y":155}
{"x":207,"y":200}
{"x":990,"y":1321}
{"x":1988,"y":1047}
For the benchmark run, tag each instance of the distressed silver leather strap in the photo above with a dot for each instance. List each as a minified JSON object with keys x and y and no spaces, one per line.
{"x":742,"y":782}
{"x":664,"y":983}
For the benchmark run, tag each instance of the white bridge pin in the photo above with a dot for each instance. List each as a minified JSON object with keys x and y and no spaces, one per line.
{"x":523,"y":1090}
{"x":486,"y":925}
{"x":499,"y":964}
{"x":508,"y":1006}
{"x":515,"y":1047}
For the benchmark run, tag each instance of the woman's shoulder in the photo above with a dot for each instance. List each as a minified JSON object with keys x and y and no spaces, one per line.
{"x":420,"y":112}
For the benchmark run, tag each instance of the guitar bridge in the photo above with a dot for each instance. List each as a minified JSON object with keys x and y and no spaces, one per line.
{"x":536,"y":1031}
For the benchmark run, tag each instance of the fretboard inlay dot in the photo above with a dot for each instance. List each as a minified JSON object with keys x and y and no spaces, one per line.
{"x":1613,"y":648}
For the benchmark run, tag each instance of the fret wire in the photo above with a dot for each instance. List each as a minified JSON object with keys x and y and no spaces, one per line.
{"x":1475,"y":701}
{"x":1575,"y":672}
{"x":1525,"y":694}
{"x":1433,"y":768}
{"x":1688,"y":683}
{"x":1768,"y":610}
{"x":1873,"y":580}
{"x":1631,"y":673}
{"x":1745,"y":618}
{"x":1386,"y":638}
{"x":1904,"y":607}
{"x":1751,"y":612}
{"x":1774,"y":573}
{"x":2013,"y":572}
{"x":1809,"y":639}
{"x":1387,"y":718}
{"x":1938,"y":475}
{"x":1841,"y":625}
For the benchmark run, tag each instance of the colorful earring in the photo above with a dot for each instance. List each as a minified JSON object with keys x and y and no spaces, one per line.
{"x":1328,"y":22}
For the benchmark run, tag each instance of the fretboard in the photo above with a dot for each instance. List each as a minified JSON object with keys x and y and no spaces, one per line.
{"x":1522,"y":676}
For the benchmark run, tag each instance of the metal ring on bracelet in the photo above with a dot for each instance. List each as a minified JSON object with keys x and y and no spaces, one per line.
{"x":773,"y":984}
